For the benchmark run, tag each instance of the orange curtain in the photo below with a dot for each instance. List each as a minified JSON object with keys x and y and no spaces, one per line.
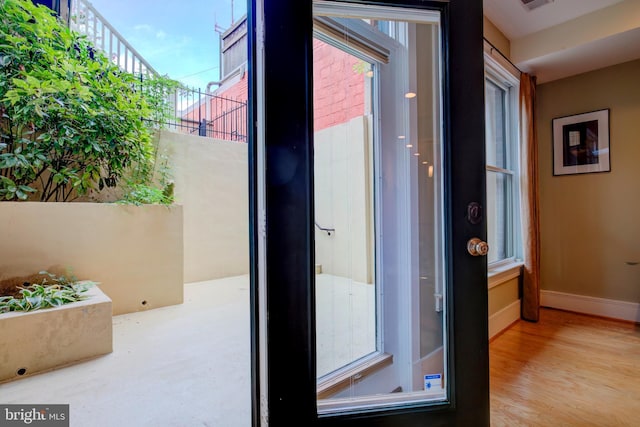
{"x":530,"y":200}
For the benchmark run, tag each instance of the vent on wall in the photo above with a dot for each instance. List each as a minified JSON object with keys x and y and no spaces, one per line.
{"x":534,"y":4}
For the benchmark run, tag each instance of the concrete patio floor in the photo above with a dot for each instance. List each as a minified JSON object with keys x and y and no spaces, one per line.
{"x":189,"y":364}
{"x":184,"y":365}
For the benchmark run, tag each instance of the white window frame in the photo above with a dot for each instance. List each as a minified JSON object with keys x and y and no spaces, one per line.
{"x":510,"y":82}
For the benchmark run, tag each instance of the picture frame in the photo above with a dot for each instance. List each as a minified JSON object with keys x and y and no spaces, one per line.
{"x":581,"y":143}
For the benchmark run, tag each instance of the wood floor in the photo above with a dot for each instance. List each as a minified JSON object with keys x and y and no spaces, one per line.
{"x":566,"y":370}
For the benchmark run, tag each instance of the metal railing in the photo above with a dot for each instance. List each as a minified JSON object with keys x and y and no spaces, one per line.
{"x":205,"y":114}
{"x":325,"y":229}
{"x":192,"y":110}
{"x":85,"y":19}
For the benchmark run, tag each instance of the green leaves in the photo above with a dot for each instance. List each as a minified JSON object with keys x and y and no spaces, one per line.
{"x":143,"y":194}
{"x":52,"y":292}
{"x":70,"y":117}
{"x":9,"y":190}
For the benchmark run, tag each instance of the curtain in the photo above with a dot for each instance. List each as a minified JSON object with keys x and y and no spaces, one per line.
{"x":530,"y":200}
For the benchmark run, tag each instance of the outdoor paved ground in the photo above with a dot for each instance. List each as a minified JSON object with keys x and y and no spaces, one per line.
{"x":184,"y":365}
{"x":188,"y":365}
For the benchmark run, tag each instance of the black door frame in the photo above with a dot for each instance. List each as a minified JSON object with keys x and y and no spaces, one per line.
{"x":289,"y":224}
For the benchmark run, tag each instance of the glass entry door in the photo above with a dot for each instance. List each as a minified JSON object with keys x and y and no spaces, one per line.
{"x":367,"y":167}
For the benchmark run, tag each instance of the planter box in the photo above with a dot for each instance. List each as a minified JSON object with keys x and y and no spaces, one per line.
{"x":33,"y":342}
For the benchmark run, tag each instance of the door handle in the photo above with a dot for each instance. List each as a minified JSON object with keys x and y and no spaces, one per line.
{"x":477,"y":247}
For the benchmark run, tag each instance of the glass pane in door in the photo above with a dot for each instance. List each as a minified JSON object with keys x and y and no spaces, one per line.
{"x":380,"y":310}
{"x":345,"y":286}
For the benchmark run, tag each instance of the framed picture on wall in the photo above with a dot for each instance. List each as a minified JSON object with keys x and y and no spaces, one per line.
{"x":581,"y":143}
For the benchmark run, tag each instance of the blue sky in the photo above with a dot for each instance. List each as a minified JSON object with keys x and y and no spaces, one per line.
{"x":177,"y":38}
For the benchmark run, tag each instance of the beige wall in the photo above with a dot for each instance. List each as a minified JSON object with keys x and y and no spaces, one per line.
{"x":343,"y":200}
{"x":590,"y":225}
{"x":496,"y":38}
{"x":211,"y":183}
{"x":135,"y":252}
{"x":502,"y":295}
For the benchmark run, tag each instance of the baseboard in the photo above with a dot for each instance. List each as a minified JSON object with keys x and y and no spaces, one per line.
{"x":613,"y":309}
{"x":504,"y":318}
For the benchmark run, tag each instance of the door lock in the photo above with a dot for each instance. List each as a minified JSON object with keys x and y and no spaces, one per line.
{"x":477,"y":247}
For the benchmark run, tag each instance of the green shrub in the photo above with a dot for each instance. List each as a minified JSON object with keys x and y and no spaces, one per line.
{"x":139,"y":194}
{"x":149,"y":191}
{"x":70,"y":119}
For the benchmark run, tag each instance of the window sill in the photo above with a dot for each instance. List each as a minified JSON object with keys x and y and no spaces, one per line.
{"x":341,"y":380}
{"x":504,"y":273}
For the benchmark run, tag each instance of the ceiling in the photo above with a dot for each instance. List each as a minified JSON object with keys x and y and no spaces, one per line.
{"x":568,"y":37}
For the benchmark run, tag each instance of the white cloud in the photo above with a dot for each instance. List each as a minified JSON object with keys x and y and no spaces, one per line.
{"x":143,"y":27}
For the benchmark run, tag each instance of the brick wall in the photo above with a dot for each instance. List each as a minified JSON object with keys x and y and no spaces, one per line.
{"x":338,"y":91}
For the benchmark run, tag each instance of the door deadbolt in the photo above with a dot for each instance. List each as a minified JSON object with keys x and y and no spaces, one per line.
{"x":477,"y":247}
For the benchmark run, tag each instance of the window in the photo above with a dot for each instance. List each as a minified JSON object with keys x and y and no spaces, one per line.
{"x":503,"y":189}
{"x":378,"y":190}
